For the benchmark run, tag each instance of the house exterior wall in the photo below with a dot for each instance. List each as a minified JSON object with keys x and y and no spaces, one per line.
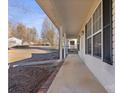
{"x":14,"y":42}
{"x":101,"y":70}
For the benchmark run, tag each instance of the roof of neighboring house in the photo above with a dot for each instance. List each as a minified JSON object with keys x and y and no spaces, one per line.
{"x":14,"y":39}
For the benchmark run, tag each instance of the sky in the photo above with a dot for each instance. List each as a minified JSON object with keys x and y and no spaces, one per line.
{"x":27,"y":12}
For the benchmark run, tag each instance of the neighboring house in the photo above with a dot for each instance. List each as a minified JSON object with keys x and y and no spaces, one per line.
{"x":45,"y":44}
{"x":32,"y":43}
{"x":25,"y":43}
{"x":14,"y":42}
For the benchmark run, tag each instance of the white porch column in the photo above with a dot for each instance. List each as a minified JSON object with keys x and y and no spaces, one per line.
{"x":65,"y":46}
{"x":60,"y":43}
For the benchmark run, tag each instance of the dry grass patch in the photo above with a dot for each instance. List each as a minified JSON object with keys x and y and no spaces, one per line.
{"x":20,"y":54}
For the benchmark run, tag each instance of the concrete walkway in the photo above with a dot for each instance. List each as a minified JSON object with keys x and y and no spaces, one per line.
{"x":75,"y":77}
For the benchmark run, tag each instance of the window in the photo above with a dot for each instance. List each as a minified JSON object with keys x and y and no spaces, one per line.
{"x":88,"y":37}
{"x":89,"y":28}
{"x":93,"y":33}
{"x":72,"y":43}
{"x":97,"y":45}
{"x":89,"y":45}
{"x":97,"y":19}
{"x":98,"y":32}
{"x":107,"y":31}
{"x":86,"y":52}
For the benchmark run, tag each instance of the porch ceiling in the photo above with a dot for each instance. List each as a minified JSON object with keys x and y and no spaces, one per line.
{"x":70,"y":14}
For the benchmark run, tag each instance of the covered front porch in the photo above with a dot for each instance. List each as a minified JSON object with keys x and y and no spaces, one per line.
{"x":91,"y":22}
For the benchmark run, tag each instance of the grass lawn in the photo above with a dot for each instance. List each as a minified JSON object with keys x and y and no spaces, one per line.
{"x":20,"y":54}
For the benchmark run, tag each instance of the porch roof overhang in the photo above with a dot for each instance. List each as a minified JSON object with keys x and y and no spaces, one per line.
{"x":70,"y":14}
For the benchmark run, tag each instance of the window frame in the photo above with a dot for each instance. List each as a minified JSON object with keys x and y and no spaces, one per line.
{"x":88,"y":37}
{"x":102,"y":30}
{"x":93,"y":34}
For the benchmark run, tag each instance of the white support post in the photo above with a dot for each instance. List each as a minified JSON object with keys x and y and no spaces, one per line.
{"x":65,"y":45}
{"x":60,"y":43}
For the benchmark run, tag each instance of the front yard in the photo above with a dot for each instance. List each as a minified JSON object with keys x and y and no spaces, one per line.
{"x":32,"y":78}
{"x":20,"y":54}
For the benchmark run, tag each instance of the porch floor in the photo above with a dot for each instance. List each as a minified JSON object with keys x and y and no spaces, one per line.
{"x":75,"y":77}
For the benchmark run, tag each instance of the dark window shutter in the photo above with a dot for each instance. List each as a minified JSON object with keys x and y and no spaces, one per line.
{"x":107,"y":31}
{"x":86,"y":47}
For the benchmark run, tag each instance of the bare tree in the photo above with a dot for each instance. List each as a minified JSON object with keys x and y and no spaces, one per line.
{"x":32,"y":35}
{"x":11,"y":30}
{"x":28,"y":35}
{"x":21,"y":32}
{"x":48,"y":32}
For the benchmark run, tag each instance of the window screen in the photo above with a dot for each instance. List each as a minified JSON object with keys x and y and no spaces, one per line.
{"x":88,"y":38}
{"x":97,"y":19}
{"x":89,"y":45}
{"x":97,"y":45}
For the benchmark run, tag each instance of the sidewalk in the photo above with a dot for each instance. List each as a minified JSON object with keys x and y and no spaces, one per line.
{"x":75,"y":77}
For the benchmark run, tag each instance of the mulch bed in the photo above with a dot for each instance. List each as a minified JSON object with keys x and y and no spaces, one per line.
{"x":32,"y":78}
{"x":44,"y":88}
